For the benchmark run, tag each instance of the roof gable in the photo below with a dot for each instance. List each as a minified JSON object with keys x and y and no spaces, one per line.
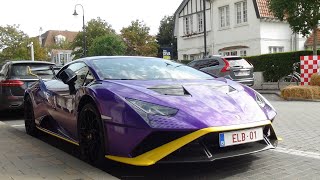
{"x":262,"y":9}
{"x":309,"y":41}
{"x":48,"y":38}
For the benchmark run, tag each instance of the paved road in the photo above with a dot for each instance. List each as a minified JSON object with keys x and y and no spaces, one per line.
{"x":297,"y":157}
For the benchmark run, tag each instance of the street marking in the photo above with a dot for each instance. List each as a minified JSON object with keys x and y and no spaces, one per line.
{"x":19,"y":125}
{"x":298,"y":153}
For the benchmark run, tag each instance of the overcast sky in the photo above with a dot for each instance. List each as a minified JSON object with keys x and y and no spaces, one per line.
{"x":57,"y":14}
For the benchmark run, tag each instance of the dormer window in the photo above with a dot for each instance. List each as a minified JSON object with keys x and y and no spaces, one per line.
{"x":59,"y":39}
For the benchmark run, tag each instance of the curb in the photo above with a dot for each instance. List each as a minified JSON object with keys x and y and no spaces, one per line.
{"x":297,"y":99}
{"x":269,"y":92}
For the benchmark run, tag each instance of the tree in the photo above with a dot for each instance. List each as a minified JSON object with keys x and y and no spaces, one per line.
{"x":165,"y":37}
{"x":13,"y":43}
{"x":11,"y":36}
{"x":40,"y":53}
{"x":302,"y":15}
{"x":139,"y":41}
{"x":94,"y":28}
{"x":108,"y":45}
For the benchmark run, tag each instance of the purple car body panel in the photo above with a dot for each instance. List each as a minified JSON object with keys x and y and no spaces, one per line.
{"x":209,"y":103}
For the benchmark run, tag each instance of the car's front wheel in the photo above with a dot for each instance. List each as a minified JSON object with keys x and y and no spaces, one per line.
{"x":91,"y":136}
{"x":29,"y":120}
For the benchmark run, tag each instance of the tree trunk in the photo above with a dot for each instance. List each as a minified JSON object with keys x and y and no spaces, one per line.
{"x":315,"y":39}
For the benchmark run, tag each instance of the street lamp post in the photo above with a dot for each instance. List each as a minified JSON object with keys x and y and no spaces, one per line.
{"x":31,"y":50}
{"x":83,"y":28}
{"x":204,"y":28}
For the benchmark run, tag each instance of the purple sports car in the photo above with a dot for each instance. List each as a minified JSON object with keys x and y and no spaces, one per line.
{"x":143,"y":110}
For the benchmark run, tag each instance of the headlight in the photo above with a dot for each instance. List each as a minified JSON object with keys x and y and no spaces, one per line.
{"x":260,"y":100}
{"x":153,"y":109}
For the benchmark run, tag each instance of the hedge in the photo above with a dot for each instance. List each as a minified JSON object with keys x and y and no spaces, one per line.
{"x":276,"y":65}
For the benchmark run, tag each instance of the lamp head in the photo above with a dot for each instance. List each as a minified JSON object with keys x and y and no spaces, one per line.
{"x":75,"y":13}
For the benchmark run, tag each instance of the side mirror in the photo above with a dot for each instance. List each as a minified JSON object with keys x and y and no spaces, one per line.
{"x":68,"y":76}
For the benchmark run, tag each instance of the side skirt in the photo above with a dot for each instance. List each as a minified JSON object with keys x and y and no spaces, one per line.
{"x":58,"y":136}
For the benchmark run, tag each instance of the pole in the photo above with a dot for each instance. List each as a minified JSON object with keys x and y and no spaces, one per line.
{"x":84,"y":37}
{"x":32,"y":51}
{"x":204,"y":28}
{"x":83,"y":29}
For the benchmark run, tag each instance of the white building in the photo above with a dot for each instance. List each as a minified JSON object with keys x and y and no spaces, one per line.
{"x":53,"y":40}
{"x":234,"y":27}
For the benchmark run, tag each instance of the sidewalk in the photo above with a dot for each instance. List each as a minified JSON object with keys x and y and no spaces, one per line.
{"x":276,"y":92}
{"x":23,"y":157}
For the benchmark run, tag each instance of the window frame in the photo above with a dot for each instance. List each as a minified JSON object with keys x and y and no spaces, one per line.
{"x":241,"y":12}
{"x":188,"y":25}
{"x":224,"y":17}
{"x":276,"y":49}
{"x":200,"y":22}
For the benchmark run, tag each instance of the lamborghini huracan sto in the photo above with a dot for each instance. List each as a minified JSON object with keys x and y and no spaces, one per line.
{"x":143,"y":110}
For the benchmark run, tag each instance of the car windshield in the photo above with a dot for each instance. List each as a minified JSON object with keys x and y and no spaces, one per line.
{"x":134,"y":68}
{"x":21,"y":70}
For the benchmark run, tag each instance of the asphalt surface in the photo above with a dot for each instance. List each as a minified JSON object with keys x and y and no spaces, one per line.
{"x":297,"y":156}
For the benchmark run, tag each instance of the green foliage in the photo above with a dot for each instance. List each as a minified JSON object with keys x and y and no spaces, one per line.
{"x":138,"y":40}
{"x":108,"y":45}
{"x":11,"y":36}
{"x":276,"y":65}
{"x":14,"y":44}
{"x":302,"y":15}
{"x":94,"y":28}
{"x":165,"y":36}
{"x":40,"y":53}
{"x":185,"y":61}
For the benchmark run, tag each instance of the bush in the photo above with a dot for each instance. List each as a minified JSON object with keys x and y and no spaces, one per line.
{"x":315,"y":80}
{"x":185,"y":61}
{"x":276,"y":65}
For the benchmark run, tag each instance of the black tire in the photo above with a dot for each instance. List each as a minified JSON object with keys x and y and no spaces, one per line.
{"x":91,"y":135}
{"x":29,"y":120}
{"x":287,"y":81}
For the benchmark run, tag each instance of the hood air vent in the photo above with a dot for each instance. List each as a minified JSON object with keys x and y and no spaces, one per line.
{"x":170,"y":90}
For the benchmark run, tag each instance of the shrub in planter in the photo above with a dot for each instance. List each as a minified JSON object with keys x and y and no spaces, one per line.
{"x":315,"y":80}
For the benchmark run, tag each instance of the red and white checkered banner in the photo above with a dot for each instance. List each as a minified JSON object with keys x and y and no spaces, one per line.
{"x":308,"y":66}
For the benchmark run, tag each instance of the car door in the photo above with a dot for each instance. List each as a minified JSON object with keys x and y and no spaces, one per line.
{"x":66,"y":101}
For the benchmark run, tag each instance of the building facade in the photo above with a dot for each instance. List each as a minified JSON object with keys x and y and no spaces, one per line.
{"x":234,"y":27}
{"x":53,"y":40}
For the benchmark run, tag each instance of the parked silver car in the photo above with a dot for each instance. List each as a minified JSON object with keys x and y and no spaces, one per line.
{"x":231,"y":67}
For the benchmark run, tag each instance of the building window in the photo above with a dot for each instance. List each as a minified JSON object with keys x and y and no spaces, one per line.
{"x":224,"y":16}
{"x":200,"y":22}
{"x":243,"y":53}
{"x":226,"y":53}
{"x":185,"y":57}
{"x":188,"y":25}
{"x":234,"y":53}
{"x":241,"y":12}
{"x":276,"y":49}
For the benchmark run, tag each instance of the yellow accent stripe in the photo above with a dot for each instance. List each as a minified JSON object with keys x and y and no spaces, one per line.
{"x":278,"y":138}
{"x":151,"y":157}
{"x":58,"y":136}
